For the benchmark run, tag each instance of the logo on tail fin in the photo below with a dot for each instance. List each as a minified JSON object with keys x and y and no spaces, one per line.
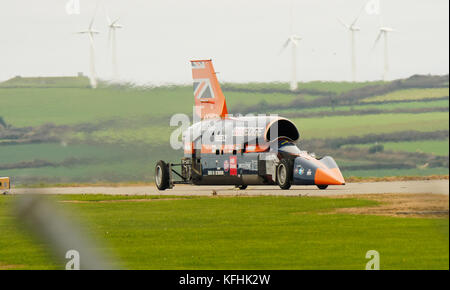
{"x":209,"y":99}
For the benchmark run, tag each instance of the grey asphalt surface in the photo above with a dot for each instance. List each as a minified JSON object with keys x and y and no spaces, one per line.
{"x":400,"y":187}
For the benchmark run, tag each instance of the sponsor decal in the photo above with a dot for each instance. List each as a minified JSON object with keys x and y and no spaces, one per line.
{"x":309,"y":172}
{"x":248,"y":131}
{"x":233,"y":165}
{"x":250,"y":165}
{"x":226,"y":165}
{"x":246,"y":165}
{"x":301,"y":170}
{"x":213,"y":172}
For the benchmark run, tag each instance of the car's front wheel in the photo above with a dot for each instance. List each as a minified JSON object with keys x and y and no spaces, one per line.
{"x":284,"y":173}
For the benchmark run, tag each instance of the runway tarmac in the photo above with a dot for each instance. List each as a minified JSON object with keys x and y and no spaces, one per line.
{"x":401,"y":187}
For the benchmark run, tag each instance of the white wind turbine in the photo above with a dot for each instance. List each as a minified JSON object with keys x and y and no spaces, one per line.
{"x":383,"y":32}
{"x":113,"y":26}
{"x":353,"y":29}
{"x":293,"y":39}
{"x":91,"y":32}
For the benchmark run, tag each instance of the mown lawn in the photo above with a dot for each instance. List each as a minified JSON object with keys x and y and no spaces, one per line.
{"x":238,"y":233}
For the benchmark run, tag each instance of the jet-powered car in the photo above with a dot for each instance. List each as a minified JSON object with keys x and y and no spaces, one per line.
{"x":221,"y":149}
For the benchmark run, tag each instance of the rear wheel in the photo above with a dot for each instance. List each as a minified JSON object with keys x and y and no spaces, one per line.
{"x":242,"y":186}
{"x":284,"y":173}
{"x":322,"y":187}
{"x":162,"y":178}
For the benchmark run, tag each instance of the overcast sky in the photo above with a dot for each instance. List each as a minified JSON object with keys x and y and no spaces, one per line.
{"x":243,"y":37}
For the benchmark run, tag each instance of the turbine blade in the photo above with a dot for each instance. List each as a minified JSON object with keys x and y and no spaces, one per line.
{"x":115,"y":21}
{"x":358,"y":16}
{"x":377,"y":39}
{"x":108,"y":19}
{"x":285,"y":45}
{"x":91,"y":24}
{"x":343,"y":23}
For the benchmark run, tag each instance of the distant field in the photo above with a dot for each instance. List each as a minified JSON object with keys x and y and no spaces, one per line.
{"x":320,"y":86}
{"x":344,"y":126}
{"x":79,"y":105}
{"x":326,"y":127}
{"x":411,"y":94}
{"x":133,"y":170}
{"x":118,"y":132}
{"x":82,"y":162}
{"x":238,"y":233}
{"x":73,"y":106}
{"x":435,"y":147}
{"x":56,"y":152}
{"x":46,"y":82}
{"x":368,"y":106}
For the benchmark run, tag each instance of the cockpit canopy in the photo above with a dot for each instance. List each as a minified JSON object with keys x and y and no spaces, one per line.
{"x":282,"y":129}
{"x":286,"y":146}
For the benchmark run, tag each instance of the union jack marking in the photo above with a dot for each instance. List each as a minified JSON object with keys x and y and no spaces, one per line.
{"x":198,"y":64}
{"x":202,"y":89}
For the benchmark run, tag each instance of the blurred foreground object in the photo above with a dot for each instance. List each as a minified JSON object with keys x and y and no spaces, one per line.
{"x":64,"y":237}
{"x":5,"y":185}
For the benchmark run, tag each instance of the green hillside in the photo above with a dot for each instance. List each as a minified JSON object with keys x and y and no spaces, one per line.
{"x":59,"y":130}
{"x":46,"y":82}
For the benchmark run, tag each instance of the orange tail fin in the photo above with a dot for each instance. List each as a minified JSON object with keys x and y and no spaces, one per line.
{"x":209,"y":99}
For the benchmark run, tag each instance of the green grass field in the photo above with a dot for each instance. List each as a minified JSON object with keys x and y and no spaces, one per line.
{"x":411,"y":94}
{"x":60,"y":106}
{"x":317,"y":127}
{"x":319,"y":86}
{"x":437,"y":147}
{"x":354,"y":125}
{"x":369,"y":106}
{"x":83,"y":162}
{"x":117,"y":132}
{"x":46,"y":82}
{"x":237,"y":233}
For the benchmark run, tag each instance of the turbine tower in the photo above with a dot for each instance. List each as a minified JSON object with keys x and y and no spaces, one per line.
{"x":383,"y":32}
{"x":353,"y":29}
{"x":90,"y":31}
{"x":293,"y":39}
{"x":113,"y":26}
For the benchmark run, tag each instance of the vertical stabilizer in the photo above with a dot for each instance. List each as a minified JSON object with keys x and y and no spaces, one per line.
{"x":209,"y":99}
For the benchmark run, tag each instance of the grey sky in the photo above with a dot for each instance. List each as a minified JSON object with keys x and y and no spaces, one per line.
{"x":243,"y":37}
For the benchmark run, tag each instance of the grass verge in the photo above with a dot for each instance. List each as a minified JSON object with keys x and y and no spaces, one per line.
{"x":238,"y":233}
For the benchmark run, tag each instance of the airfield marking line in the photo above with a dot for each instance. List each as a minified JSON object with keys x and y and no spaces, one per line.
{"x":398,"y":187}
